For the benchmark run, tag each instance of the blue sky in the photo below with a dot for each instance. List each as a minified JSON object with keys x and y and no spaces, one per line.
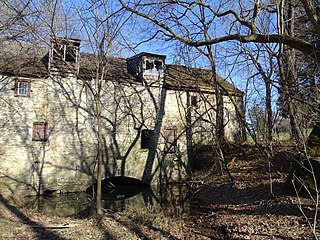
{"x":137,"y":30}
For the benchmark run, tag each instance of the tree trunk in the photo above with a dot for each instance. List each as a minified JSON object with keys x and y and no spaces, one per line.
{"x":219,"y":129}
{"x":268,"y":112}
{"x":189,"y":135}
{"x":147,"y":172}
{"x":100,"y":157}
{"x":219,"y":114}
{"x":288,"y":73}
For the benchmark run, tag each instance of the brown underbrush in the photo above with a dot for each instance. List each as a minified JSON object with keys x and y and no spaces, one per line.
{"x":260,"y":202}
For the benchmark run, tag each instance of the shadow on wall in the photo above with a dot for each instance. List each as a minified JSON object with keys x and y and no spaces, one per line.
{"x":41,"y":165}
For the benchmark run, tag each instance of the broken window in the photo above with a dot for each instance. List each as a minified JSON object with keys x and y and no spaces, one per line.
{"x":70,"y":55}
{"x":147,"y":139}
{"x":58,"y":51}
{"x":149,"y":64}
{"x":158,"y":64}
{"x":170,"y":138}
{"x":22,"y":88}
{"x":40,"y":131}
{"x":65,"y":52}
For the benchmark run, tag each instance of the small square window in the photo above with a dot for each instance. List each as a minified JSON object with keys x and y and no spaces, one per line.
{"x":147,"y":139}
{"x":158,"y":64}
{"x":194,"y":101}
{"x":22,"y":88}
{"x":149,"y":64}
{"x":40,"y":131}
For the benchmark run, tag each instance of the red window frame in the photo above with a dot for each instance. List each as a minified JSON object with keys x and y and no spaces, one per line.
{"x":17,"y":88}
{"x":40,"y":131}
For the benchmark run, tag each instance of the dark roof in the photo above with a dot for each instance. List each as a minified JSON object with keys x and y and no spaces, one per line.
{"x":27,"y":60}
{"x":116,"y":68}
{"x":195,"y":79}
{"x":149,"y":55}
{"x":24,"y":60}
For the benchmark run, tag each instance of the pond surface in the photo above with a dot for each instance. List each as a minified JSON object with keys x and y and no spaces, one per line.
{"x":174,"y":200}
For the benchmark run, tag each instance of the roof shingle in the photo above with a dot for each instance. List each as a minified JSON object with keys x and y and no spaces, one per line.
{"x":27,"y":60}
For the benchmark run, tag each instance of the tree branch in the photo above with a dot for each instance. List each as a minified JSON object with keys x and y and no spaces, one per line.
{"x":307,"y":48}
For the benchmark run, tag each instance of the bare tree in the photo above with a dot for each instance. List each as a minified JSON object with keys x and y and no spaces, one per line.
{"x":15,"y":19}
{"x":98,"y":24}
{"x":242,"y":17}
{"x":102,"y":24}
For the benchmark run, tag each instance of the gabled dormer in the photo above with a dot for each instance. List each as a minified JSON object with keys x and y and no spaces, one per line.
{"x":64,"y":56}
{"x":147,"y":66}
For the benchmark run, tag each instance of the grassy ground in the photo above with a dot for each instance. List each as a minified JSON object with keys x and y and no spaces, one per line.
{"x":244,"y":209}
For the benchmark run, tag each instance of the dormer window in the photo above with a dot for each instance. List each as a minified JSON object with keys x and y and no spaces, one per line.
{"x":71,"y":55}
{"x":147,"y":65}
{"x":153,"y":67}
{"x":64,"y":56}
{"x":66,"y":50}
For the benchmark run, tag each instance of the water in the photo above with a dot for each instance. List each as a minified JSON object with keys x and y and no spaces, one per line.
{"x":172,"y":200}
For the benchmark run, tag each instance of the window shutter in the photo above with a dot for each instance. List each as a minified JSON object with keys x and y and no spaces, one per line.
{"x":40,"y":131}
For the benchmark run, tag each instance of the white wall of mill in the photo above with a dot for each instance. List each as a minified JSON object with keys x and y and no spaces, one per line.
{"x":61,"y":163}
{"x":66,"y":161}
{"x":136,"y":106}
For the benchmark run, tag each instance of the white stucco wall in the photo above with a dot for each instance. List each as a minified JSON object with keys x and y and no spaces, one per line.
{"x":66,"y":161}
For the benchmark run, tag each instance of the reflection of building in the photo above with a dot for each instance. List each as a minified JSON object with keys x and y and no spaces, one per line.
{"x":152,"y":114}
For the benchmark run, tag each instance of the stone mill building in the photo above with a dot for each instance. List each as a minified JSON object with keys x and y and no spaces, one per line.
{"x":153,"y":115}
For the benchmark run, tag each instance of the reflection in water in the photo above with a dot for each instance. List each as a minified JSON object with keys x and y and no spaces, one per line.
{"x":172,"y":200}
{"x":71,"y":204}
